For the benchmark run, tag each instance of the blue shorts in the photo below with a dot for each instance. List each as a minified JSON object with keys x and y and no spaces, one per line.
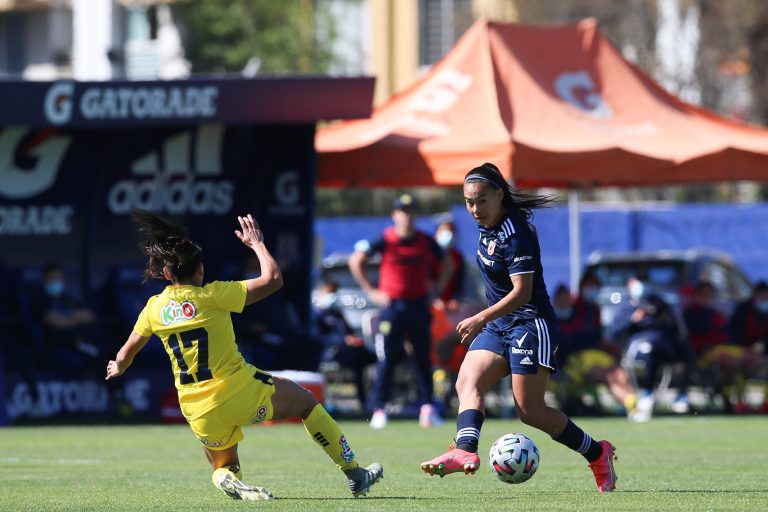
{"x":526,"y":345}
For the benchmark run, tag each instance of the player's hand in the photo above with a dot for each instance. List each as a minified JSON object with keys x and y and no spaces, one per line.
{"x":638,"y":315}
{"x":113,"y":370}
{"x":438,"y":304}
{"x":469,"y":328}
{"x":379,"y":298}
{"x":250,"y":234}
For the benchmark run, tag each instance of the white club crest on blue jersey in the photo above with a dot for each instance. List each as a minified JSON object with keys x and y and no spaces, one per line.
{"x":491,"y":247}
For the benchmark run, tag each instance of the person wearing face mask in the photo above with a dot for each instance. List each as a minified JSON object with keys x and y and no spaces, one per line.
{"x":648,"y":329}
{"x":450,"y":293}
{"x":748,"y":327}
{"x":407,"y":259}
{"x":69,"y":332}
{"x":583,"y":354}
{"x":447,"y":310}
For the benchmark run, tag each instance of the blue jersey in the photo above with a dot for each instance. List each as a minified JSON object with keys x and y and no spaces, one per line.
{"x":509,"y":248}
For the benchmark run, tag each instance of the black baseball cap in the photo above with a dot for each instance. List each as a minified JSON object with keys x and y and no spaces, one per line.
{"x":405,"y":202}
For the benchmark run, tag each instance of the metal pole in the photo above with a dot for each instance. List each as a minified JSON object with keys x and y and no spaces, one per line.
{"x":574,"y":234}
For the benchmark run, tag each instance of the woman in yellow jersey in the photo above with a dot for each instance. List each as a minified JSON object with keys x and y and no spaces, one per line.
{"x":219,"y":391}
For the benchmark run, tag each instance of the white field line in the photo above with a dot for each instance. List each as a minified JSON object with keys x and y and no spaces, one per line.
{"x":62,"y":462}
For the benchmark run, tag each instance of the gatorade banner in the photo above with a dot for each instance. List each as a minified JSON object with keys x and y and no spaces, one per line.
{"x":66,"y":195}
{"x":77,"y":157}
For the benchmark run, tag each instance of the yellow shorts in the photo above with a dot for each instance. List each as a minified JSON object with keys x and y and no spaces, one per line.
{"x":579,"y":364}
{"x":219,"y":428}
{"x":714,"y":353}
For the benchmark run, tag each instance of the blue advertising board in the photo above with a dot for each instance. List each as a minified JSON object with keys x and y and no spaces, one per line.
{"x":77,"y":157}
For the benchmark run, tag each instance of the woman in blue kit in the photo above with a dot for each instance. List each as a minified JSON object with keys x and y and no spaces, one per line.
{"x":517,"y":333}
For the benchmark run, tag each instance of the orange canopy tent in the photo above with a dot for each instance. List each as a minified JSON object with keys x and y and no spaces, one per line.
{"x":551,"y":106}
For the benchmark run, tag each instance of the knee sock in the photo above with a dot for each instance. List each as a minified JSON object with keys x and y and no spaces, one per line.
{"x":235,"y":469}
{"x":468,"y":425}
{"x":326,"y":432}
{"x":578,"y":440}
{"x":630,"y":402}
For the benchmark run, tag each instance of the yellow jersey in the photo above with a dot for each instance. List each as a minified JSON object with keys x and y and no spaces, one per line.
{"x":195,"y":327}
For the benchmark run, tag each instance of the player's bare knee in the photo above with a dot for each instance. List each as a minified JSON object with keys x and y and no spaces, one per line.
{"x":307,"y":402}
{"x":466,"y":383}
{"x":531,"y":416}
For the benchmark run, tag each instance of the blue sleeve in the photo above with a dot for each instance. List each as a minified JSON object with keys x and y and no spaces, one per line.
{"x":518,"y":254}
{"x":621,"y":325}
{"x":370,"y":247}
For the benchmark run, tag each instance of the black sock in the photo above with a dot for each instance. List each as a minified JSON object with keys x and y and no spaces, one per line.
{"x":468,"y":425}
{"x":578,"y":440}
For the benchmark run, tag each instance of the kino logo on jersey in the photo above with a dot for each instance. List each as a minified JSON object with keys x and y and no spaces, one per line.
{"x":174,"y":312}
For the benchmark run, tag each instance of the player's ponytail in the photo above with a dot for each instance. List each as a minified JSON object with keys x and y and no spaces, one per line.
{"x":525,"y":202}
{"x":167,"y":246}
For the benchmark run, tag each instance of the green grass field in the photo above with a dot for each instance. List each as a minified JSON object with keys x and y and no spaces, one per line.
{"x":697,"y":463}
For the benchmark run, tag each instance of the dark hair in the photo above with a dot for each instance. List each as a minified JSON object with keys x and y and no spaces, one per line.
{"x":588,"y":279}
{"x":448,"y":223}
{"x":167,"y":246}
{"x":330,"y":283}
{"x":760,"y":287}
{"x":525,"y":202}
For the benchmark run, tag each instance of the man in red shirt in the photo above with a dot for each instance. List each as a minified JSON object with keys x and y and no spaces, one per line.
{"x":407,"y":257}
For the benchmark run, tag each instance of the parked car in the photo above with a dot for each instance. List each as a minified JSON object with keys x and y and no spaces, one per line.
{"x":354,"y":302}
{"x":351,"y":300}
{"x":671,"y":274}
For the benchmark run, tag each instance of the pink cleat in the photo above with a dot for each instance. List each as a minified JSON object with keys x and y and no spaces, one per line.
{"x":602,"y":468}
{"x":453,"y":461}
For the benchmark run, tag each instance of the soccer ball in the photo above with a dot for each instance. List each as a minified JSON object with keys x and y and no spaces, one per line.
{"x":514,"y":458}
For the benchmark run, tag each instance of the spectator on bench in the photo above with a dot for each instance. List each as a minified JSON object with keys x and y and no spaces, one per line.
{"x":749,"y":331}
{"x":648,"y":328}
{"x":583,"y":353}
{"x":69,"y":328}
{"x":718,"y":361}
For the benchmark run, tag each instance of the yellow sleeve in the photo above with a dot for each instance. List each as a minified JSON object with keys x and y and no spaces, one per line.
{"x":229,"y":295}
{"x":142,"y":326}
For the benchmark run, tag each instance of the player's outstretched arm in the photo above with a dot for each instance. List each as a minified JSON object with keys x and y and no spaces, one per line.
{"x":270,"y":279}
{"x":125,"y":355}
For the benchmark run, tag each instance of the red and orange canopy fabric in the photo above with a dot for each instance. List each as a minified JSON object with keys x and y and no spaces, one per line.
{"x":550,"y":106}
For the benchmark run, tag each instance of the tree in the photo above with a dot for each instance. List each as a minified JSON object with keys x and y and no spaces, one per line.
{"x":224,"y":35}
{"x":758,"y":45}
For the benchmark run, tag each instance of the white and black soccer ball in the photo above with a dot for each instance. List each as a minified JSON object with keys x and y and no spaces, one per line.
{"x":514,"y":458}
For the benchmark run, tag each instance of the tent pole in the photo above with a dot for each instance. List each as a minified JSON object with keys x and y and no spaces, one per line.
{"x":574,"y":239}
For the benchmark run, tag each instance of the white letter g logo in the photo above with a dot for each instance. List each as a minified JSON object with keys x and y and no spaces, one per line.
{"x":58,"y":102}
